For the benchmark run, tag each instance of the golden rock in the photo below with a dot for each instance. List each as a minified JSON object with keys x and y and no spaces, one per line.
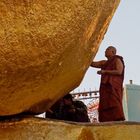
{"x":46,"y":46}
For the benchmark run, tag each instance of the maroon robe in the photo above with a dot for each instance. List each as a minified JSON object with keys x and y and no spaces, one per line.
{"x":111,"y":92}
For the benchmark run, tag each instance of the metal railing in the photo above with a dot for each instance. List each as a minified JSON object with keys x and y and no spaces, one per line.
{"x":86,"y":95}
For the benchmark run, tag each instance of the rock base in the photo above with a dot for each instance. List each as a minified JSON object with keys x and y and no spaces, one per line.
{"x":44,"y":129}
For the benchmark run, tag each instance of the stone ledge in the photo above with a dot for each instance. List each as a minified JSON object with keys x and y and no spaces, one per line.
{"x":45,"y":129}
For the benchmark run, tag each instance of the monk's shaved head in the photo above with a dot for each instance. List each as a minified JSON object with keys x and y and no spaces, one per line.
{"x":114,"y":50}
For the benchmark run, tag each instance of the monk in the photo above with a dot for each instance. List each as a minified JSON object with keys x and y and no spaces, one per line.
{"x":111,"y":86}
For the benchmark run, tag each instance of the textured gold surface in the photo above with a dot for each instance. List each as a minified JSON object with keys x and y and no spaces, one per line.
{"x":37,"y":129}
{"x":46,"y":47}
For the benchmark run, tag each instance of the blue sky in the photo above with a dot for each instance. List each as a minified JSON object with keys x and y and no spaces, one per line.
{"x":124,"y":34}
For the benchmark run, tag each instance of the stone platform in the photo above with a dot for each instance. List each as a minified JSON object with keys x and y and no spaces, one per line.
{"x":44,"y":129}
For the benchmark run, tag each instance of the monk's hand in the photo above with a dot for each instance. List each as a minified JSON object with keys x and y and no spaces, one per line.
{"x":100,"y":72}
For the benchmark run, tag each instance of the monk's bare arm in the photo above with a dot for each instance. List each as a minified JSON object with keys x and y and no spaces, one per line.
{"x":98,"y":64}
{"x":117,"y":71}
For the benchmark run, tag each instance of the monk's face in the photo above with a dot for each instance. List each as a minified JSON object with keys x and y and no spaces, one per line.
{"x":110,"y":51}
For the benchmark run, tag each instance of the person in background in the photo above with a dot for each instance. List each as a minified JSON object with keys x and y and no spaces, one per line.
{"x":111,"y":86}
{"x":73,"y":110}
{"x":69,"y":110}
